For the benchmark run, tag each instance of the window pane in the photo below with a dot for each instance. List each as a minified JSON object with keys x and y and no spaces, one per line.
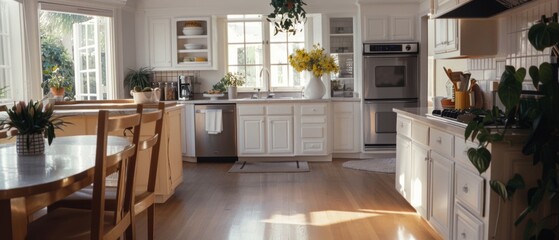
{"x":236,"y":54}
{"x":295,"y":46}
{"x":296,"y":77}
{"x":91,"y":59}
{"x":235,"y":32}
{"x":298,"y":37}
{"x":278,"y":53}
{"x":90,"y":34}
{"x":254,"y":54}
{"x":3,"y":53}
{"x":83,"y":58}
{"x":254,"y":32}
{"x":92,"y":83}
{"x":280,"y":37}
{"x":280,"y":77}
{"x":84,"y":83}
{"x":252,"y":74}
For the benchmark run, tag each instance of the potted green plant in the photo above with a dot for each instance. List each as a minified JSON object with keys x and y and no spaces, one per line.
{"x":138,"y":78}
{"x":57,"y":83}
{"x":231,"y":81}
{"x":287,"y":15}
{"x":540,"y":116}
{"x":32,"y":121}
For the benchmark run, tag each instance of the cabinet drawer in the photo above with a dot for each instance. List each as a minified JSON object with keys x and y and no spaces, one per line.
{"x":313,"y":131}
{"x":420,"y":133}
{"x":343,"y":107}
{"x":469,"y":190}
{"x":461,"y":152}
{"x":313,"y":147}
{"x":467,"y":226}
{"x":279,"y":109}
{"x":403,"y":126}
{"x":317,"y":109}
{"x":313,"y":119}
{"x":250,"y":110}
{"x":441,"y":142}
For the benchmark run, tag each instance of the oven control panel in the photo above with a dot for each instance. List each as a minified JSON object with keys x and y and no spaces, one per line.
{"x":383,"y":48}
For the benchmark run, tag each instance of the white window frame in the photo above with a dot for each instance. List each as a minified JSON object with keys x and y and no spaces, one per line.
{"x":111,"y":88}
{"x":266,"y":58}
{"x":12,"y":50}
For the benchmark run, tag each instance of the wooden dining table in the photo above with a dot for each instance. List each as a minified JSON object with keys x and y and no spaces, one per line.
{"x":31,"y":183}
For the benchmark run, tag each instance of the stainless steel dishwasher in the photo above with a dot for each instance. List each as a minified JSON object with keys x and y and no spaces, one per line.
{"x":220,"y":146}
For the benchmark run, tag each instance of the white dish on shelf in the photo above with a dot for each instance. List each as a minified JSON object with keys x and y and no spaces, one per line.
{"x":213,"y":96}
{"x":190,"y":46}
{"x":189,"y":31}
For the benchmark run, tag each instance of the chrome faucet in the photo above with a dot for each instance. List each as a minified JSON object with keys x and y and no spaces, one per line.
{"x":270,"y":94}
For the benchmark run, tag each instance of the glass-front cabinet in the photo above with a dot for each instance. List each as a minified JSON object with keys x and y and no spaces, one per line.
{"x":192,"y":40}
{"x":341,"y":48}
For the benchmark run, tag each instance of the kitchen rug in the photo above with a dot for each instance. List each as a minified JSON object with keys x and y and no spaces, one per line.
{"x":269,"y":167}
{"x":383,"y":165}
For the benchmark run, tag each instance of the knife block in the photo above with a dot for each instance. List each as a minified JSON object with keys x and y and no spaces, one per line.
{"x":462,"y":100}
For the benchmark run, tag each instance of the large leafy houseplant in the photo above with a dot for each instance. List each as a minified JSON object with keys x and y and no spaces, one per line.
{"x":287,"y":15}
{"x":540,"y":115}
{"x":138,"y":78}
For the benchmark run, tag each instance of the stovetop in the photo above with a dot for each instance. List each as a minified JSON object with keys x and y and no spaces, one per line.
{"x":462,"y":117}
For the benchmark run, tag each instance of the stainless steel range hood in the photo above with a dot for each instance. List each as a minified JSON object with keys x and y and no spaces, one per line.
{"x":481,"y":8}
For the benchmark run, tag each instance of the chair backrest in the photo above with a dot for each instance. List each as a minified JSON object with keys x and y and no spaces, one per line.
{"x":121,"y":163}
{"x":153,"y":142}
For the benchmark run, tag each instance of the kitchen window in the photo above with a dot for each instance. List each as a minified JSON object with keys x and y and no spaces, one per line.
{"x":254,"y":50}
{"x":11,"y":56}
{"x":85,"y":35}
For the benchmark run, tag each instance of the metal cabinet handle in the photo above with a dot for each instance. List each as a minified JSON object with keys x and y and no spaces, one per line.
{"x":426,"y":158}
{"x":463,"y":235}
{"x":465,"y":189}
{"x":439,"y":140}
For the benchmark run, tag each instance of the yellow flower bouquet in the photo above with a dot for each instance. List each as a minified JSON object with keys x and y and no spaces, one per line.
{"x":315,"y":61}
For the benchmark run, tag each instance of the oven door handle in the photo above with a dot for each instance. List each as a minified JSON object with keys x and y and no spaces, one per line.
{"x":390,"y":101}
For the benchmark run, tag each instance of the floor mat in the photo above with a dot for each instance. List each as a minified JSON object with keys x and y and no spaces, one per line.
{"x":384,"y":165}
{"x":269,"y":167}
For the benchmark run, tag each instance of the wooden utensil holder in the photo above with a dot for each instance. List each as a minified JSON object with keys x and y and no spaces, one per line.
{"x":462,"y":100}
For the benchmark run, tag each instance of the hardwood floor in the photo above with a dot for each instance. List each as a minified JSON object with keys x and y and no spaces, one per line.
{"x":329,"y":202}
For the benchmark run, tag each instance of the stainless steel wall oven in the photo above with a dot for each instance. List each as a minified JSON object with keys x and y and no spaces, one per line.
{"x":390,"y":79}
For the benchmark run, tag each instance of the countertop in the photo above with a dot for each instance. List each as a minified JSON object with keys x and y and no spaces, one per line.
{"x":423,"y":114}
{"x":268,"y":100}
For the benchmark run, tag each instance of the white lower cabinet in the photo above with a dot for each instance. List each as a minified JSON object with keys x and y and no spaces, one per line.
{"x":311,"y":129}
{"x":280,"y":134}
{"x":265,"y":130}
{"x":403,"y":166}
{"x":442,"y":197}
{"x":466,"y":225}
{"x":251,"y":138}
{"x":419,"y":178}
{"x":346,"y":127}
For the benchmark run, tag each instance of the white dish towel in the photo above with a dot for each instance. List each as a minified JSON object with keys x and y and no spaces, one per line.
{"x":214,"y":123}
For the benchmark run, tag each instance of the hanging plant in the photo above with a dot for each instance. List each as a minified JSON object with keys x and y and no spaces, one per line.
{"x":287,"y":15}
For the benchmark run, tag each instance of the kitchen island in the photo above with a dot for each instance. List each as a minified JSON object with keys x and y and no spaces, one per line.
{"x":83,"y":118}
{"x":434,"y":174}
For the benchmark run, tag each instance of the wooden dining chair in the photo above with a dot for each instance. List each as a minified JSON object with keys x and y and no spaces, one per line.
{"x":145,"y":196}
{"x":99,"y":222}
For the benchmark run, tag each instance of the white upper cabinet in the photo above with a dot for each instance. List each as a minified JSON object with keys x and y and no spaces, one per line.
{"x":465,"y":37}
{"x":159,"y":42}
{"x":382,"y":28}
{"x":444,"y":5}
{"x":182,"y":43}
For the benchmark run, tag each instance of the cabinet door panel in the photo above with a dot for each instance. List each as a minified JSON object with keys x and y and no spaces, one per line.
{"x":280,"y":135}
{"x":376,"y":28}
{"x":251,"y":137}
{"x":403,"y":163}
{"x":402,"y":28}
{"x":419,"y":180}
{"x":442,"y":176}
{"x":160,"y":42}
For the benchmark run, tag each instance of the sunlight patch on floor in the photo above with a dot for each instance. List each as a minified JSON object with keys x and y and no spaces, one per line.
{"x":319,"y":218}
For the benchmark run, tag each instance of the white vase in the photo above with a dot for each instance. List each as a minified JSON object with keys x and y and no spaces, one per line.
{"x":30,"y":144}
{"x":232,"y":92}
{"x":315,"y":88}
